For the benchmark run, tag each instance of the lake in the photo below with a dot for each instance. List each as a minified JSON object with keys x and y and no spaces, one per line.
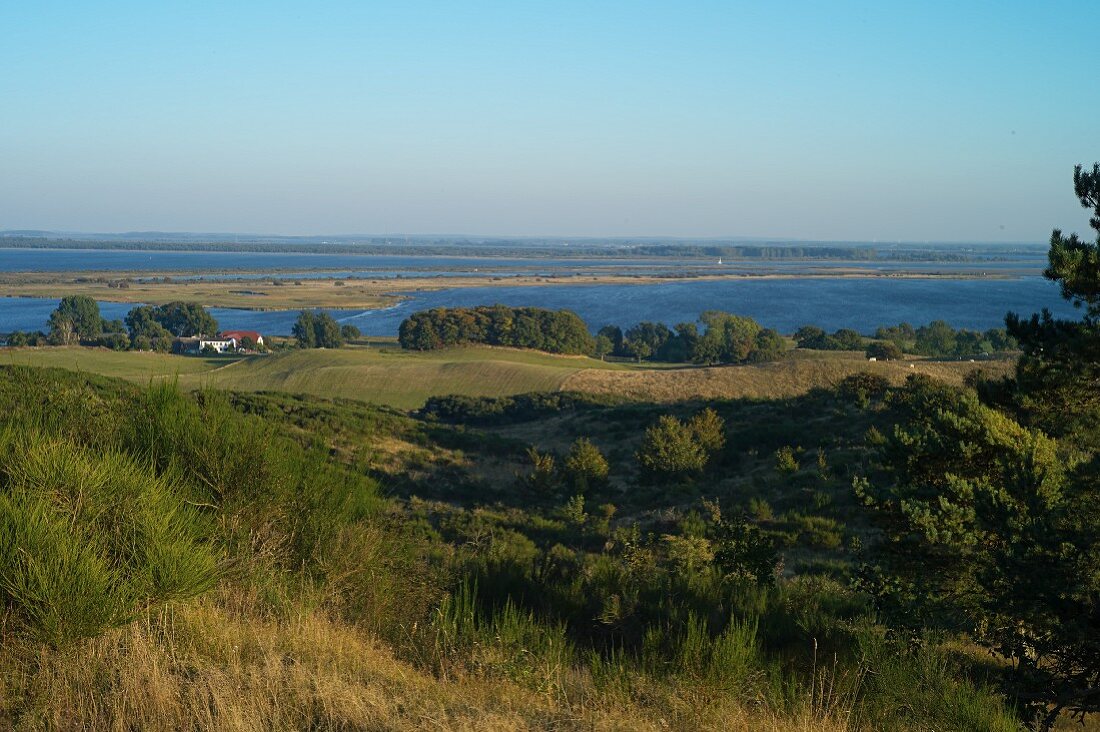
{"x":233,"y":264}
{"x":783,"y":304}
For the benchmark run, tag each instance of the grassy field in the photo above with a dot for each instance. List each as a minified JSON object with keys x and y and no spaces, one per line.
{"x":388,"y":375}
{"x":795,"y":375}
{"x":130,"y":365}
{"x":381,"y":375}
{"x":399,"y":378}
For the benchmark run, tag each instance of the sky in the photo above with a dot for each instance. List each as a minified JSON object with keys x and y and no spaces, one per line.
{"x":914,"y":121}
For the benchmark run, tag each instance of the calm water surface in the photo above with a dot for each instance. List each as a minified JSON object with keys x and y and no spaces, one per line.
{"x":784,"y":304}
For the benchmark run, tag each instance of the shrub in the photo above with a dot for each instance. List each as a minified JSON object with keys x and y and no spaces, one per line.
{"x":709,"y":430}
{"x":585,"y":466}
{"x":543,"y":477}
{"x":87,"y":539}
{"x":884,"y":351}
{"x":863,"y":386}
{"x":786,"y":460}
{"x":670,"y":450}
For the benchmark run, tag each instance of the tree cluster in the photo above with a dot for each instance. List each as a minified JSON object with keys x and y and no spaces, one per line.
{"x":845,"y":339}
{"x":725,"y":338}
{"x":153,"y":327}
{"x":317,"y":329}
{"x":554,"y":331}
{"x":938,"y":339}
{"x":77,"y":319}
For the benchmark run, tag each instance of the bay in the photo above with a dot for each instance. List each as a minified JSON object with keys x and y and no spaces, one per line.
{"x":781,"y":303}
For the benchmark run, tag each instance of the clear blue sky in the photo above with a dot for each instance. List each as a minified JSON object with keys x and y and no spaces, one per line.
{"x":817,"y":120}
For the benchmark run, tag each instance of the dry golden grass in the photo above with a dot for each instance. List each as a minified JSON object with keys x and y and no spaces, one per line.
{"x":205,"y":667}
{"x":793,"y":376}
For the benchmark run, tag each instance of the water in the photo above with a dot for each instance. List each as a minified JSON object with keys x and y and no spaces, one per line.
{"x":211,"y":263}
{"x":783,"y":304}
{"x":295,"y":264}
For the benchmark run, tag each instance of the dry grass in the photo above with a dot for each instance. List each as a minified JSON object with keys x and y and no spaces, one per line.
{"x":204,"y":667}
{"x":775,"y":380}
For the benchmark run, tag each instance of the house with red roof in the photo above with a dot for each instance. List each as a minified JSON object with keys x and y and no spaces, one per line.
{"x":240,"y":335}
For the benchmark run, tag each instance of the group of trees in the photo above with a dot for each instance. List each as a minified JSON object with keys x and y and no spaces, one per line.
{"x":77,"y":319}
{"x":725,"y":338}
{"x":554,"y":331}
{"x":318,"y":329}
{"x":941,"y":340}
{"x":845,"y":339}
{"x":990,"y":514}
{"x":154,"y":327}
{"x":937,"y":339}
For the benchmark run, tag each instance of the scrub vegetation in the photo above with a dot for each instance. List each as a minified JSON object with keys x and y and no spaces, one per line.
{"x":871,"y":553}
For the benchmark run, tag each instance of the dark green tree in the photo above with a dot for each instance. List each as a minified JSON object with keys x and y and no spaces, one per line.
{"x":304,"y":331}
{"x":989,"y":525}
{"x":615,"y":334}
{"x":884,"y":351}
{"x":1058,"y":374}
{"x":317,"y":329}
{"x":185,"y":319}
{"x":603,"y":347}
{"x":76,"y":317}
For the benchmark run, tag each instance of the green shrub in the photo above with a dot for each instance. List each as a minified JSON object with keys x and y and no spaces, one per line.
{"x":863,"y":387}
{"x":884,"y":351}
{"x":87,"y":539}
{"x":543,"y":476}
{"x":585,"y":467}
{"x":786,"y":460}
{"x":709,"y":430}
{"x":670,"y":450}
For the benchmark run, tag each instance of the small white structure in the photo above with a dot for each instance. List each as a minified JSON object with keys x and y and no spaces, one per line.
{"x":221,"y":346}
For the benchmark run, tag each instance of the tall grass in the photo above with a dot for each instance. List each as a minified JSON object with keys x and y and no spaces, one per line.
{"x":169,"y":562}
{"x":88,"y":539}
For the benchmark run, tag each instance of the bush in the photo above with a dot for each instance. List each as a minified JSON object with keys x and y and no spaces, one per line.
{"x":884,"y":351}
{"x":670,"y":450}
{"x":543,"y":476}
{"x":863,"y":386}
{"x":460,"y":409}
{"x":88,"y":539}
{"x":709,"y":430}
{"x":585,"y":467}
{"x":786,"y":460}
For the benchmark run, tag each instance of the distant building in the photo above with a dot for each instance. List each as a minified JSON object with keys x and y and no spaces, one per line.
{"x":221,"y":345}
{"x":226,"y":342}
{"x":240,"y":335}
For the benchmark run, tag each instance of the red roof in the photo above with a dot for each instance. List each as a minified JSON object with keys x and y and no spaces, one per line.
{"x":241,"y":334}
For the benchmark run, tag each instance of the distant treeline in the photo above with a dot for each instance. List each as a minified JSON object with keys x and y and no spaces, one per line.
{"x":77,"y":320}
{"x":553,"y":331}
{"x":725,"y":338}
{"x":937,"y":339}
{"x":453,"y":247}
